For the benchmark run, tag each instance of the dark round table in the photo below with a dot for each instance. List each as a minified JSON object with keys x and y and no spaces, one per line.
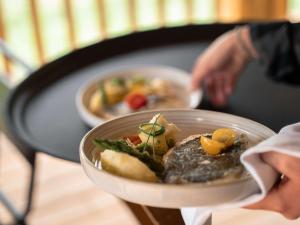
{"x":41,"y":115}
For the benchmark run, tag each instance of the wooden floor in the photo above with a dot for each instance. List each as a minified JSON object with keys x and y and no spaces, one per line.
{"x":64,"y":195}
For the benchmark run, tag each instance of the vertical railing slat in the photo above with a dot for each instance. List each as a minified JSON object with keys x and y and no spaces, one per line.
{"x":161,"y":12}
{"x":70,"y":23}
{"x":189,"y":11}
{"x":37,"y":30}
{"x":102,"y":18}
{"x":132,"y":14}
{"x":2,"y":35}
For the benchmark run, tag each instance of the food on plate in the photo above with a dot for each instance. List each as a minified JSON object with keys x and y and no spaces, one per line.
{"x":121,"y":164}
{"x":195,"y":160}
{"x":119,"y":95}
{"x":154,"y":154}
{"x":136,"y":100}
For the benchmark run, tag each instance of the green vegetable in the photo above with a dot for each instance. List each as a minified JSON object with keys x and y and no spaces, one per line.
{"x":121,"y":146}
{"x":117,"y":81}
{"x":144,"y":147}
{"x":152,"y":129}
{"x":103,"y":93}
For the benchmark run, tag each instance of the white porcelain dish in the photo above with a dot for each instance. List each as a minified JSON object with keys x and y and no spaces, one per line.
{"x":172,"y":195}
{"x":177,"y":76}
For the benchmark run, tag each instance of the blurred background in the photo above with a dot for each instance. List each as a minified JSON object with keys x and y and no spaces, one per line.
{"x":39,"y":31}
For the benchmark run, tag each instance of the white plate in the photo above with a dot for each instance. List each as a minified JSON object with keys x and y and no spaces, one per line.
{"x":175,"y":75}
{"x":171,"y":195}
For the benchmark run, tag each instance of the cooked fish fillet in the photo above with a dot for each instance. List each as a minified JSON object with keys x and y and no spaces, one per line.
{"x":187,"y":162}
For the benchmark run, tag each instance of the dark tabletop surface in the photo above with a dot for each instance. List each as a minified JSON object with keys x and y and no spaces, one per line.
{"x":49,"y":122}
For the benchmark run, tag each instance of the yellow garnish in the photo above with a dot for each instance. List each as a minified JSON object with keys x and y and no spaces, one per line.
{"x":210,"y":146}
{"x":224,"y":135}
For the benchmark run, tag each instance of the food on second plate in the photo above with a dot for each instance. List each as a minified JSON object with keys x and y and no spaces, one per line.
{"x":121,"y":95}
{"x":155,"y":155}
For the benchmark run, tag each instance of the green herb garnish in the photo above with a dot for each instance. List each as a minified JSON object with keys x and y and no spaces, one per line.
{"x":152,"y":129}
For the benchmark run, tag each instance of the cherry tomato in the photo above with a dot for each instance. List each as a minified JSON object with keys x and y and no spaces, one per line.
{"x":135,"y":100}
{"x":134,"y":139}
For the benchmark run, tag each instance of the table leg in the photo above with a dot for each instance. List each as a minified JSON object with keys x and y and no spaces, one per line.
{"x":20,"y":217}
{"x":156,"y":216}
{"x":208,"y":221}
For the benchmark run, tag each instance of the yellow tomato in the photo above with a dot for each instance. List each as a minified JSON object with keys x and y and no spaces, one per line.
{"x":224,"y":135}
{"x":210,"y":146}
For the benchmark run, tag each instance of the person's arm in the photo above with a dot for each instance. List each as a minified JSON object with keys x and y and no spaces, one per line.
{"x":219,"y":67}
{"x":278,"y":47}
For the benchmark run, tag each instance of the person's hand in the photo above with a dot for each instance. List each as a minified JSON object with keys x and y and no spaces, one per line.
{"x":218,"y":68}
{"x":284,"y":197}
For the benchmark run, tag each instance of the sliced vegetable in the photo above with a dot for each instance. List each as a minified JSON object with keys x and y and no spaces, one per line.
{"x":121,"y":146}
{"x":125,"y":165}
{"x":171,"y":129}
{"x":136,"y":100}
{"x":134,"y":139}
{"x":152,"y":129}
{"x":210,"y":146}
{"x":224,"y":135}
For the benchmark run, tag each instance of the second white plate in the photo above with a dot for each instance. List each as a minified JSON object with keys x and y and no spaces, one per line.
{"x":175,"y":75}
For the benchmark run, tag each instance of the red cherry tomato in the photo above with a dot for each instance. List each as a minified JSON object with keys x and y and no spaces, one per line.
{"x":135,"y":139}
{"x":136,"y":100}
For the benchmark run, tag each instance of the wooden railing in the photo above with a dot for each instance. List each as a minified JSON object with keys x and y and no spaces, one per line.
{"x":220,"y":13}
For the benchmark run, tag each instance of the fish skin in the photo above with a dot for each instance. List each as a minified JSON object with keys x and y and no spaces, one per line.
{"x":187,"y":163}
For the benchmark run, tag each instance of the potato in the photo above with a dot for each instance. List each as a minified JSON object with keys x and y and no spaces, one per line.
{"x":158,"y":142}
{"x":171,"y":129}
{"x":95,"y":104}
{"x":126,"y":165}
{"x":115,"y":90}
